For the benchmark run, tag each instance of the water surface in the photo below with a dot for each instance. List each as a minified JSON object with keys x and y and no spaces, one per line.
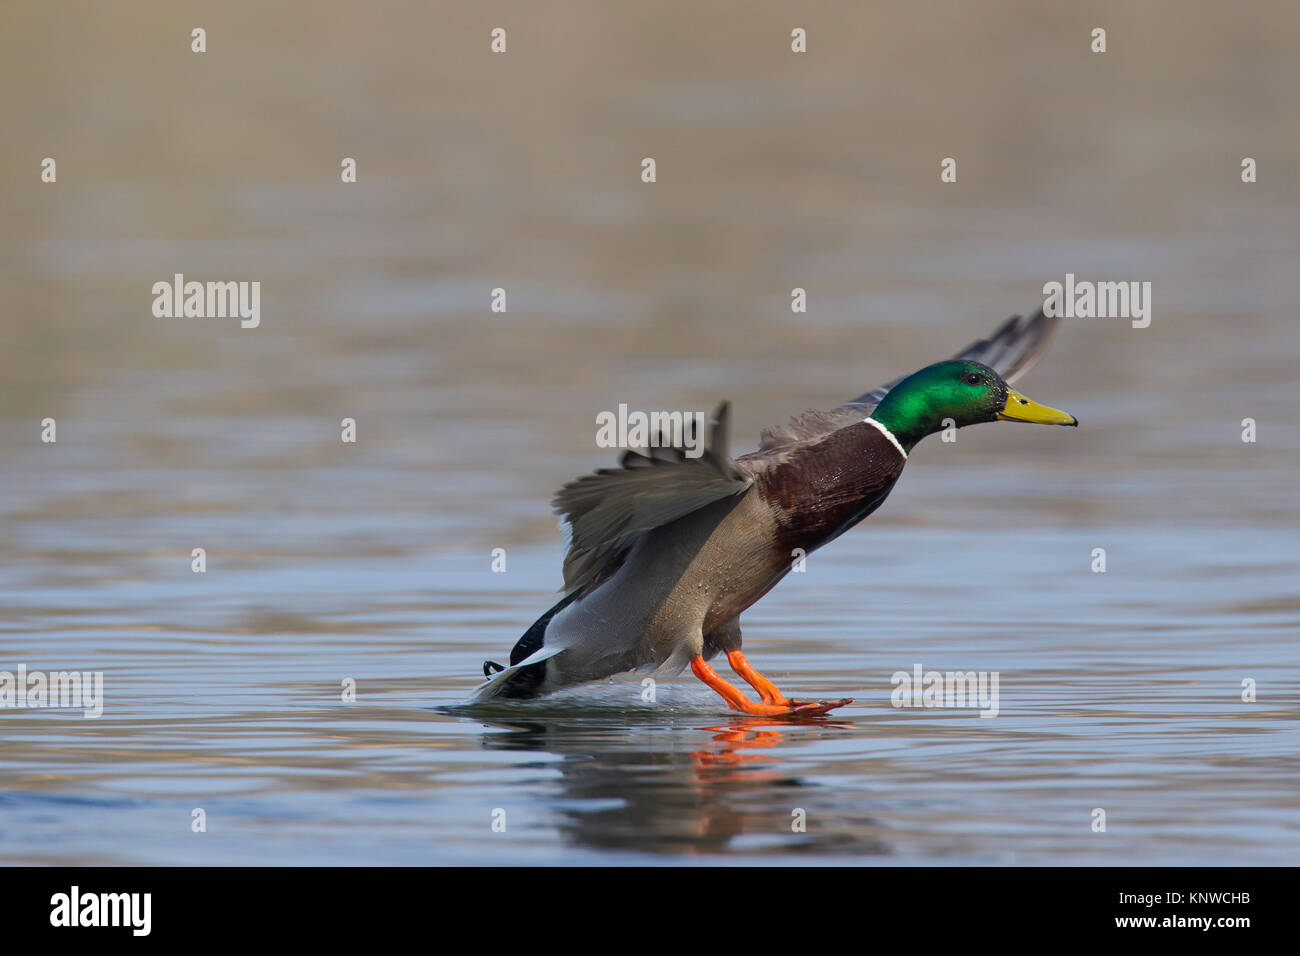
{"x":371,"y":562}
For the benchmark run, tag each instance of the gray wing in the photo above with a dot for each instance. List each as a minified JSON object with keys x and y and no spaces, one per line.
{"x":1011,"y":351}
{"x":607,"y":511}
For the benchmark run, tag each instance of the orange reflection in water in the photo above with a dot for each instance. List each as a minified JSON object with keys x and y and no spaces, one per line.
{"x":733,"y":742}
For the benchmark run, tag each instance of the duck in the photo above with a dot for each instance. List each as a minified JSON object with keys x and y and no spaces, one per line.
{"x":665,"y":552}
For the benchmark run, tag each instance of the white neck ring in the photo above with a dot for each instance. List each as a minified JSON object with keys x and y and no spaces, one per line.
{"x":888,"y":434}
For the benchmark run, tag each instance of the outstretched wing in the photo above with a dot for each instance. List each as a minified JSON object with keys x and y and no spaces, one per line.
{"x":1011,"y":351}
{"x":607,"y":511}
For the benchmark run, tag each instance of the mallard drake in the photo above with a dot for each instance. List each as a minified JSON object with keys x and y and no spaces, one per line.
{"x":667,"y":551}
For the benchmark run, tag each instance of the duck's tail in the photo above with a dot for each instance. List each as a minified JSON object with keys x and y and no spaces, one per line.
{"x":524,"y":677}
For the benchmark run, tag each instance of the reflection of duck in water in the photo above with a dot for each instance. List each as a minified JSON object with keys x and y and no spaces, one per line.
{"x":667,"y":551}
{"x":643,"y":793}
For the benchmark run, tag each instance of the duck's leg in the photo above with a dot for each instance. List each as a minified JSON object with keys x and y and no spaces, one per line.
{"x":775,"y":704}
{"x":766,"y":689}
{"x":769,"y":692}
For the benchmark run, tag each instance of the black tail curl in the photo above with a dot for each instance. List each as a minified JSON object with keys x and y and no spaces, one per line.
{"x":525,"y":682}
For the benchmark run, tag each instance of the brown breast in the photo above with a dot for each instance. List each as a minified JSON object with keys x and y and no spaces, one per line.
{"x":818,"y":490}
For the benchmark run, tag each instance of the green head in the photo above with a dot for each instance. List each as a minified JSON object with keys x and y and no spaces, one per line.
{"x":965,"y":392}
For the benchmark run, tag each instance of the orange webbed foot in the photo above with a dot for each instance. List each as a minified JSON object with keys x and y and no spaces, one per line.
{"x":814,"y":708}
{"x":774,"y":703}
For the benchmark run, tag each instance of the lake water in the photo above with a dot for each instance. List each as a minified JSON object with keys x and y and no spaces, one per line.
{"x":372,"y":562}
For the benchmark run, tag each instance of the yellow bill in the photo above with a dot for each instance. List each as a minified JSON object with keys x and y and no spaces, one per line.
{"x":1021,"y":409}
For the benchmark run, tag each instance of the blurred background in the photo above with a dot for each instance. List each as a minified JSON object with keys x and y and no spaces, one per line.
{"x":522,"y":171}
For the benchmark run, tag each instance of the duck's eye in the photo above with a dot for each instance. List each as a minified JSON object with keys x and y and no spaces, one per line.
{"x":972,"y":379}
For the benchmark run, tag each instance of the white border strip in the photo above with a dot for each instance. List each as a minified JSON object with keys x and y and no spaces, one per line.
{"x":887,"y":433}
